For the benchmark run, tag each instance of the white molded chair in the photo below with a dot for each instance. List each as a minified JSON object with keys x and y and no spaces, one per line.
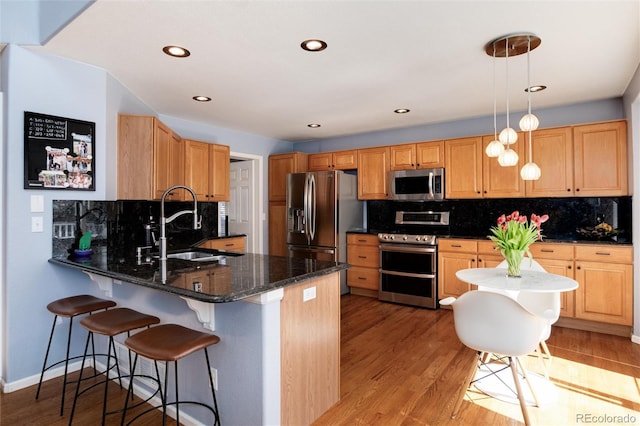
{"x":545,"y":305}
{"x":491,"y":322}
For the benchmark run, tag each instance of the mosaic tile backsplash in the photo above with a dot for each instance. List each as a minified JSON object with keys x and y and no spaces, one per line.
{"x":120,"y":225}
{"x":473,"y":218}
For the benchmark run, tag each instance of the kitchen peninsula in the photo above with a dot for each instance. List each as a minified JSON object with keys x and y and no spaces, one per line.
{"x":278,"y":319}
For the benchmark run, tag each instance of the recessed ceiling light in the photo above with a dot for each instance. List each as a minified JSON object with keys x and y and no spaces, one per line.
{"x":401,"y":110}
{"x":537,"y":88}
{"x":176,"y":51}
{"x":202,"y":98}
{"x":313,"y":45}
{"x":313,"y":125}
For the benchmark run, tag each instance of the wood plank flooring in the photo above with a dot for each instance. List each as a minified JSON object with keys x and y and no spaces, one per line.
{"x":404,"y":366}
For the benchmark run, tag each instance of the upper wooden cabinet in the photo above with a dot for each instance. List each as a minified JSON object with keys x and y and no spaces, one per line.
{"x":336,"y":160}
{"x":207,"y":170}
{"x":373,"y":168}
{"x":585,"y":160}
{"x":503,"y":182}
{"x":600,"y":159}
{"x":279,"y":166}
{"x":463,"y":178}
{"x":422,"y":155}
{"x":149,"y":158}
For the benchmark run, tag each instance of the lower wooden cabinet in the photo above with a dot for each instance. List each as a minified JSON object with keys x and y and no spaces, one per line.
{"x":454,"y":255}
{"x":363,"y":255}
{"x":277,"y":229}
{"x":236,"y":244}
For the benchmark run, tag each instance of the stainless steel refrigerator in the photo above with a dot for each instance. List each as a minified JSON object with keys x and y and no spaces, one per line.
{"x":321,"y":208}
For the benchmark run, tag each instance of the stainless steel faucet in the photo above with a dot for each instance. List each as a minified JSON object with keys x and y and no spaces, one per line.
{"x":197,"y":222}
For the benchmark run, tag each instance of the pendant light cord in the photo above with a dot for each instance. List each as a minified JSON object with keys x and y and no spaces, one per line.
{"x":529,"y":95}
{"x":506,"y":45}
{"x":495,"y":120}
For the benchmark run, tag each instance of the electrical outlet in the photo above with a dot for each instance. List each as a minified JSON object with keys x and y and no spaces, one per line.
{"x":214,"y":376}
{"x":308,"y":294}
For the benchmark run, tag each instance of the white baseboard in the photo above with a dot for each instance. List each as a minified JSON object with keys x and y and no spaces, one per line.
{"x":635,"y":339}
{"x":49,"y":374}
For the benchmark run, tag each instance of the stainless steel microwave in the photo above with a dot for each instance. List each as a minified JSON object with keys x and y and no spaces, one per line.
{"x":416,"y":185}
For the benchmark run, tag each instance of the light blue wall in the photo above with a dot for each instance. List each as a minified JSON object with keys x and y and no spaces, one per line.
{"x":588,"y":112}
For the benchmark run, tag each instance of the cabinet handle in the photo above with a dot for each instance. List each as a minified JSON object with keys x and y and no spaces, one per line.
{"x":577,"y":189}
{"x":568,"y":189}
{"x":362,"y":278}
{"x":362,"y":257}
{"x":547,"y":250}
{"x":569,"y":267}
{"x":603,"y":253}
{"x":417,"y":165}
{"x":362,"y":241}
{"x":456,"y":245}
{"x":229,"y":245}
{"x":473,"y":261}
{"x":578,"y":267}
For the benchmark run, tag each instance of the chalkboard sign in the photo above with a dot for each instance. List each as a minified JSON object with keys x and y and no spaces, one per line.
{"x":58,"y":152}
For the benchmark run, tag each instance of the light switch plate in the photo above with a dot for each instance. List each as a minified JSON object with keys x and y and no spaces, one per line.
{"x":37,"y":224}
{"x":37,"y":204}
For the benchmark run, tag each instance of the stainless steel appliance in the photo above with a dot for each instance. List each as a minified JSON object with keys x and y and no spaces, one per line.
{"x":416,"y":185}
{"x":409,"y":262}
{"x":321,"y":207}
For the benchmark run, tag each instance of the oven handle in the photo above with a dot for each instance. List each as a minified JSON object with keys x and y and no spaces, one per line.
{"x":407,"y":248}
{"x":406,"y":274}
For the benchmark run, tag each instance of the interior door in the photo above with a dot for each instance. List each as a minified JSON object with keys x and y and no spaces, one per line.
{"x":241,"y":205}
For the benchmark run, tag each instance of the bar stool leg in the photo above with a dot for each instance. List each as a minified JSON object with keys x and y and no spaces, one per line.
{"x":46,"y":356}
{"x":75,"y":398}
{"x":66,"y":367}
{"x":213,"y":390}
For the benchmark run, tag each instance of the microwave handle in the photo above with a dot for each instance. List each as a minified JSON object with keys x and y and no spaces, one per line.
{"x":431,"y":185}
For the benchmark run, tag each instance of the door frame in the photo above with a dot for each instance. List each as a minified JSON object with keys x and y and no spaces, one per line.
{"x":258,"y":194}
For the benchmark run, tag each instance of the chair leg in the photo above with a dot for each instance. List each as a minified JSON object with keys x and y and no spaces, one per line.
{"x":526,"y":378}
{"x":46,"y":356}
{"x":516,"y":380}
{"x":466,"y":383}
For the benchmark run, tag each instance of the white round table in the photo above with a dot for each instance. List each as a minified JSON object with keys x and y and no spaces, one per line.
{"x":537,"y":281}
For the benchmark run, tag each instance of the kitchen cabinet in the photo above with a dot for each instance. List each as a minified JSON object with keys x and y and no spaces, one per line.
{"x":279,"y":166}
{"x":373,"y":170}
{"x":207,"y":170}
{"x":463,"y":177}
{"x":605,"y":276}
{"x":600,"y":159}
{"x":337,"y":160}
{"x":558,"y":259}
{"x":503,"y":182}
{"x":454,"y":255}
{"x":213,"y":279}
{"x":150,"y":159}
{"x":488,"y":256}
{"x":584,"y":160}
{"x":422,"y":155}
{"x":236,"y":244}
{"x":363,"y":255}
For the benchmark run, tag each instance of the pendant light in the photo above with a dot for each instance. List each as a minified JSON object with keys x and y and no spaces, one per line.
{"x":495,"y":147}
{"x":529,"y":123}
{"x":508,"y":136}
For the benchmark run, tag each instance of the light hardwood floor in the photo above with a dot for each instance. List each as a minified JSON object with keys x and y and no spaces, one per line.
{"x":404,"y":366}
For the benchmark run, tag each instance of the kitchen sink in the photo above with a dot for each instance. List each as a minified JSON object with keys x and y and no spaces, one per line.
{"x":195,"y":256}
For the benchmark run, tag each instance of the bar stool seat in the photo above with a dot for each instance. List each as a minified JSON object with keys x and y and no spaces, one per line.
{"x":170,"y":343}
{"x":111,"y":323}
{"x":69,"y":307}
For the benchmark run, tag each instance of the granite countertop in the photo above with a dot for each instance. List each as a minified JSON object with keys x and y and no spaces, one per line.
{"x":233,"y":277}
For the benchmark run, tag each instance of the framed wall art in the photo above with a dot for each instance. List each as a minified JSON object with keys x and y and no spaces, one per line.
{"x":58,"y":152}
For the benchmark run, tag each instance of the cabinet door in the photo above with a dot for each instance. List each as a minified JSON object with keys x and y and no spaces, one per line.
{"x":135,"y":157}
{"x":430,"y":155}
{"x":197,"y":168}
{"x":564,"y":268}
{"x":161,"y":159}
{"x":503,"y":182}
{"x":321,"y":161}
{"x":219,"y":159}
{"x":230,"y":244}
{"x":373,"y":167}
{"x":176,"y":165}
{"x":403,"y":157}
{"x":345,"y":160}
{"x":367,"y":278}
{"x":464,"y":167}
{"x":279,"y":166}
{"x":605,"y":293}
{"x":277,"y":229}
{"x":600,"y":153}
{"x":553,"y":153}
{"x":448,"y":265}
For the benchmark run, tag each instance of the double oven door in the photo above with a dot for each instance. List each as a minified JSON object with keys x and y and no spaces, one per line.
{"x":408,"y":274}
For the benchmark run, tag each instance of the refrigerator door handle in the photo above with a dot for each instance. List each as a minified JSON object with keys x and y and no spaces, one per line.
{"x":312,"y":206}
{"x":307,"y":212}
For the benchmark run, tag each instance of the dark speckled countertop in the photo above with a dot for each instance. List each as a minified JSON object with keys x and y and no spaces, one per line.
{"x":230,"y":279}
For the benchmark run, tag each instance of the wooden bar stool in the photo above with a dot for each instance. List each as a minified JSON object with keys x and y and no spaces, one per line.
{"x":70,"y":307}
{"x":172,"y":342}
{"x":111,"y":323}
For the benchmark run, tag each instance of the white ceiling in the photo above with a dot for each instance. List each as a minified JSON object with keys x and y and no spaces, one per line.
{"x":427,"y":56}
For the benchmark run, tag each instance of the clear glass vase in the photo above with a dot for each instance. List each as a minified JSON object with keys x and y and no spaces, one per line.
{"x":514,"y":259}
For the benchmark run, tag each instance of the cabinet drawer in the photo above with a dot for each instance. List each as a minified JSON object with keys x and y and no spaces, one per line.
{"x":363,"y":278}
{"x":488,"y":247}
{"x":231,"y":244}
{"x":453,"y":245}
{"x":552,"y":251}
{"x":368,"y":256}
{"x":362,"y":239}
{"x":604,"y":253}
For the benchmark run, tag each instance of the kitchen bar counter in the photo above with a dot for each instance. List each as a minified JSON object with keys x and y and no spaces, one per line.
{"x":234,"y":277}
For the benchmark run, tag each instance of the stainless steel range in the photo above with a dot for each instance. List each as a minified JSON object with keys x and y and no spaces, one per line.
{"x":409,"y":262}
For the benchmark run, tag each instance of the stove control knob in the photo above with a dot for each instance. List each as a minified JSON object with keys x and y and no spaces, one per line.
{"x":405,"y":238}
{"x":418,"y":238}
